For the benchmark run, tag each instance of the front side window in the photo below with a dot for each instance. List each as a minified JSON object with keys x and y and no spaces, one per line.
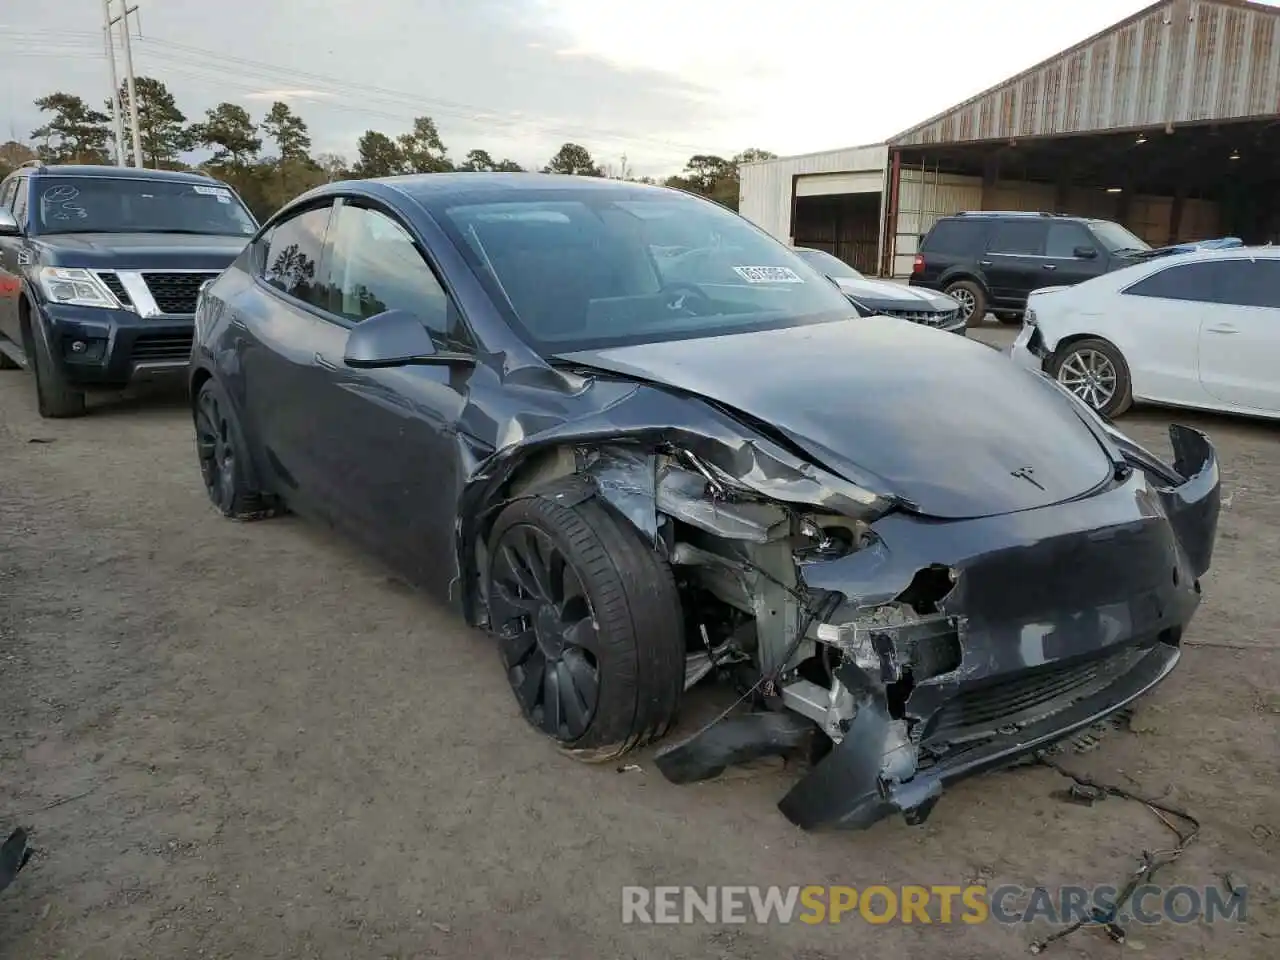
{"x":20,"y":201}
{"x":596,"y":268}
{"x":129,"y":205}
{"x":291,"y":255}
{"x":1250,"y":283}
{"x":1193,"y":282}
{"x":1024,"y":237}
{"x":1064,"y":238}
{"x":6,"y":193}
{"x":375,"y":266}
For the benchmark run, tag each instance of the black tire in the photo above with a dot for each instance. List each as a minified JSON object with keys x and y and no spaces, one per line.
{"x":577,"y":596}
{"x":223,"y":454}
{"x":1121,"y":397}
{"x":1010,"y":319}
{"x":972,"y":298}
{"x":56,"y":397}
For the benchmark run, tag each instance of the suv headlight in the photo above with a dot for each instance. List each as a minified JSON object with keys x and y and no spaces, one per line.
{"x":75,"y":286}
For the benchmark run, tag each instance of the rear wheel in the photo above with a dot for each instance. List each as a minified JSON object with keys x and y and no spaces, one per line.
{"x":972,"y":299}
{"x":589,"y":626}
{"x":224,"y":458}
{"x":56,"y":397}
{"x":1094,"y":371}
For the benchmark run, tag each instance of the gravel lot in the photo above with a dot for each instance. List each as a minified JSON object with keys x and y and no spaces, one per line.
{"x":248,"y":740}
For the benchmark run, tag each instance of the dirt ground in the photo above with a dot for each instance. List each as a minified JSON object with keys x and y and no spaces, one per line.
{"x":247,"y":740}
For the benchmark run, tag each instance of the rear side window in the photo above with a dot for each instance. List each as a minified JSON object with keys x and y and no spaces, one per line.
{"x":292,"y":255}
{"x":956,"y":237}
{"x":1193,"y":282}
{"x":1024,"y":237}
{"x":1250,"y":283}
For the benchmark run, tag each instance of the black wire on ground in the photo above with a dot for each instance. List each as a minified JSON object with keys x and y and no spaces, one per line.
{"x":1148,"y":864}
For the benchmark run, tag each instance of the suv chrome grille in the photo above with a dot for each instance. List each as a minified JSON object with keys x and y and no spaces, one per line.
{"x":930,"y":318}
{"x":176,"y":292}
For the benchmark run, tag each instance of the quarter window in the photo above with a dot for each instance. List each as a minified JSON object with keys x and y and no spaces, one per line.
{"x":375,"y":266}
{"x":291,"y":257}
{"x":1025,"y":237}
{"x":1193,"y":282}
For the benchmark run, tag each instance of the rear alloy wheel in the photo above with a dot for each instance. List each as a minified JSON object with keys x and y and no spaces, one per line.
{"x":224,"y":462}
{"x":972,"y":299}
{"x":588,"y":624}
{"x":1095,"y":372}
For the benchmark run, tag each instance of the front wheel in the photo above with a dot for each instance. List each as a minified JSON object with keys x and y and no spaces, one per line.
{"x":1094,"y":371}
{"x":589,"y":626}
{"x":56,"y":398}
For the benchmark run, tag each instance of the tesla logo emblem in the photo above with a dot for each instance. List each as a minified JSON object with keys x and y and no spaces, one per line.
{"x":1027,"y":474}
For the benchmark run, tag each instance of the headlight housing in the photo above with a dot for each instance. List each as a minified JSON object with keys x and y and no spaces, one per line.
{"x":76,"y":287}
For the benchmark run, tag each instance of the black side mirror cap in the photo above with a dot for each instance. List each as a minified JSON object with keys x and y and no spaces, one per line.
{"x":1086,"y":253}
{"x":393,"y":338}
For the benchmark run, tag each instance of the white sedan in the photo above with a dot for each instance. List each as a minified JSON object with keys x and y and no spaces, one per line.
{"x":1195,"y":330}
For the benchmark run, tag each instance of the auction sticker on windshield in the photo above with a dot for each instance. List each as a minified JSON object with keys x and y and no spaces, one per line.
{"x":768,"y":274}
{"x":222,"y":193}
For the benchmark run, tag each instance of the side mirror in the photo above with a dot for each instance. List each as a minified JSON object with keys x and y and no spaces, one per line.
{"x":1085,"y":253}
{"x":394,"y":338}
{"x":8,"y":224}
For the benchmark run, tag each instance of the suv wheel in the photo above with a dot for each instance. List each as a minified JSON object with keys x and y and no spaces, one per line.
{"x":972,"y":299}
{"x":56,"y":398}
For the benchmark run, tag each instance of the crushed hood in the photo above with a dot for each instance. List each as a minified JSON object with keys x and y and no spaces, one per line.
{"x":948,"y":424}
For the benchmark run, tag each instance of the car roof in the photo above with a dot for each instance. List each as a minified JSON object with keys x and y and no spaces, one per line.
{"x":432,"y":186}
{"x":1221,"y":253}
{"x":119,"y":173}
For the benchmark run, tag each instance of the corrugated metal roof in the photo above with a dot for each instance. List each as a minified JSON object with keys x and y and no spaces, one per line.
{"x":1178,"y":61}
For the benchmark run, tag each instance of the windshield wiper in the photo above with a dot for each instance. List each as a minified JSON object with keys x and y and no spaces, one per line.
{"x":1124,"y":250}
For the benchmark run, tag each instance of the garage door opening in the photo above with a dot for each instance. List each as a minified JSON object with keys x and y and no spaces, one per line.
{"x":844,"y":225}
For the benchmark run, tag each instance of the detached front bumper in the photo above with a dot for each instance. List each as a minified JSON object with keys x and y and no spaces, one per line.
{"x":111,"y":348}
{"x":1046,"y":622}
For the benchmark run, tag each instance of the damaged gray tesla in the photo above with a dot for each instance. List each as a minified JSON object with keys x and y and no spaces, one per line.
{"x":646,"y":447}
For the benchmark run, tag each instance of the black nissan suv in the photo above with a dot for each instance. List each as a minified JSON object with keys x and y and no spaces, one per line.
{"x":100,"y":268}
{"x":991,"y":260}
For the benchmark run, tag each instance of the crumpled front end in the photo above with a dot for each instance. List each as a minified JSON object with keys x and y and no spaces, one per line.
{"x":955,"y":647}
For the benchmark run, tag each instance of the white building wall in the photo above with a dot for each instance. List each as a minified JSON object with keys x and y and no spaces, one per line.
{"x":765,"y":187}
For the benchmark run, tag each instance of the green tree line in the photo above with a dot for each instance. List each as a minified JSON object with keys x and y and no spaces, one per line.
{"x":269,"y":161}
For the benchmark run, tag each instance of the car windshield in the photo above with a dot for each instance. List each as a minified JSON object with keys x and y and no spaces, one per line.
{"x":128,"y":205}
{"x":592,"y":268}
{"x":832,"y":266}
{"x":1116,"y":238}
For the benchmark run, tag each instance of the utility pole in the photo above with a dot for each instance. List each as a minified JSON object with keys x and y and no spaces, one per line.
{"x":123,"y":20}
{"x":116,"y":121}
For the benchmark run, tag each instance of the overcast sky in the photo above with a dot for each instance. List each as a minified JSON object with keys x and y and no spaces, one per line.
{"x":656,"y":80}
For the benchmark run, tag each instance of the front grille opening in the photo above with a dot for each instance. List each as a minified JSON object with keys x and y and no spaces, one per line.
{"x":111,"y":280}
{"x":176,"y":293}
{"x":162,"y":346}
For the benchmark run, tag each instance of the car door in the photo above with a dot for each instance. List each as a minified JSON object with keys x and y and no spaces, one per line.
{"x":284,"y":334}
{"x":1157,"y":328}
{"x":1240,"y":335}
{"x":1015,"y":263}
{"x":1063,"y":265}
{"x":391,"y":448}
{"x":10,"y":275}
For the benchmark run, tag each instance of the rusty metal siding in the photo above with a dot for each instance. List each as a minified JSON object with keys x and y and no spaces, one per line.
{"x":1180,"y":61}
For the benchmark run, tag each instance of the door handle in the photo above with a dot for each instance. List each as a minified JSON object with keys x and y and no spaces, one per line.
{"x":322,"y":362}
{"x":984,"y":263}
{"x":1050,"y":266}
{"x":1223,"y":328}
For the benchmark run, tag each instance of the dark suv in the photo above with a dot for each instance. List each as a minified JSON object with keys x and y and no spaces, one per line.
{"x":99,"y":272}
{"x":991,"y":260}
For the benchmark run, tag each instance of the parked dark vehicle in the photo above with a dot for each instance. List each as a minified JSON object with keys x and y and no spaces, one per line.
{"x":881,"y":298}
{"x":641,"y":443}
{"x":99,"y":269}
{"x":991,"y":260}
